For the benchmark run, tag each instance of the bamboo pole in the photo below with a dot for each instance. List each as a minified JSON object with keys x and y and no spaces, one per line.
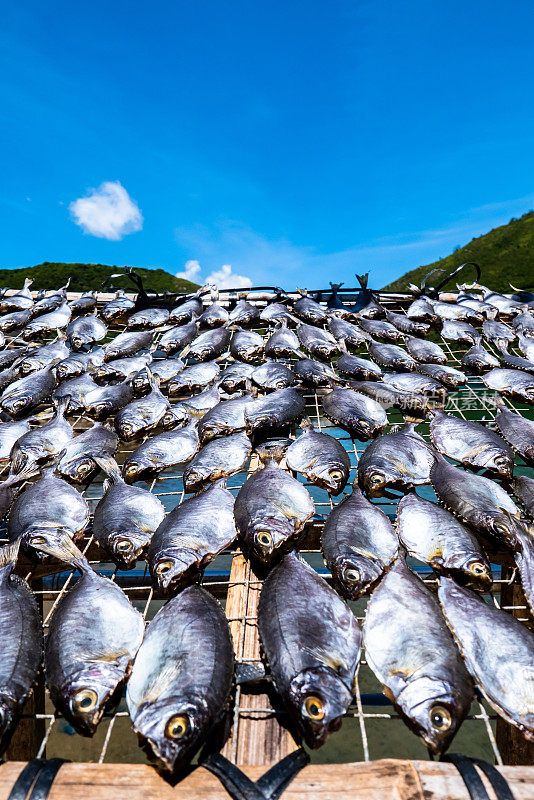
{"x":388,"y":779}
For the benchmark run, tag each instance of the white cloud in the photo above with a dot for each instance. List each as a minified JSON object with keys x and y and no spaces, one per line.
{"x":224,"y":278}
{"x":107,"y":212}
{"x":191,"y":272}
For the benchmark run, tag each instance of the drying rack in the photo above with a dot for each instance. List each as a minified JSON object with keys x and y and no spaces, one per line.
{"x":372,"y":730}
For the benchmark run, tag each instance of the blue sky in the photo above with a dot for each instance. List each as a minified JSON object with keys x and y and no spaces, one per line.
{"x":295,"y":142}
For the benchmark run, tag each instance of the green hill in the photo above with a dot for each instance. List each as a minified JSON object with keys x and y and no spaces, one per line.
{"x":51,"y":275}
{"x":504,"y":254}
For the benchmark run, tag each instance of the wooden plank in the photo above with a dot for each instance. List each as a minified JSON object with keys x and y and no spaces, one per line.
{"x":388,"y":779}
{"x":260,"y":738}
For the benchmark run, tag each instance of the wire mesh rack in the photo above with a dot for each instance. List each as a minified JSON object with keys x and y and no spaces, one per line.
{"x":259,"y":732}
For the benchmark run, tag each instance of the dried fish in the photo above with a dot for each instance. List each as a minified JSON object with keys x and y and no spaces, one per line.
{"x":471,"y":443}
{"x":425,"y":351}
{"x":193,"y":379}
{"x":148,"y":318}
{"x":511,"y":383}
{"x":219,"y":458}
{"x":433,"y":535}
{"x":246,"y":346}
{"x":27,"y":392}
{"x":359,"y":415}
{"x":283,"y":343}
{"x":177,"y":338}
{"x":357,"y":367}
{"x":477,"y":359}
{"x":318,"y":342}
{"x":273,"y":375}
{"x":410,"y":650}
{"x":84,"y":331}
{"x":210,"y":344}
{"x":346,"y":332}
{"x":320,"y":458}
{"x":128,"y":344}
{"x":402,"y":459}
{"x":274,"y":410}
{"x":518,"y":432}
{"x":391,"y":355}
{"x":190,"y":537}
{"x":312,"y":643}
{"x":105,"y":400}
{"x":142,"y":415}
{"x":162,"y":451}
{"x":404,"y":324}
{"x":314,"y":373}
{"x":244,"y":313}
{"x":224,"y":418}
{"x":457,"y":331}
{"x":359,"y":544}
{"x":77,"y":462}
{"x":41,"y":444}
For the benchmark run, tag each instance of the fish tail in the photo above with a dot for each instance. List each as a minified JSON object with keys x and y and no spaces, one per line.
{"x":271,"y":451}
{"x":108,"y":465}
{"x":62,"y":405}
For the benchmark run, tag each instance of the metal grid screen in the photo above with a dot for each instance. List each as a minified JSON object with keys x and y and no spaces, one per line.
{"x":372,"y":729}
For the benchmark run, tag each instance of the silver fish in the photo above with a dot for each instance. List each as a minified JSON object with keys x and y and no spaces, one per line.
{"x":196,"y":406}
{"x":19,"y":301}
{"x":142,"y":415}
{"x":27,"y":392}
{"x":283,"y":343}
{"x":275,"y":312}
{"x":190,"y":537}
{"x":121,"y":368}
{"x":224,"y":418}
{"x":415,"y":382}
{"x":479,"y":502}
{"x":41,"y":444}
{"x":128,"y":344}
{"x":271,"y":509}
{"x":498,"y":333}
{"x":471,"y":443}
{"x":125,"y":518}
{"x":47,"y":510}
{"x":454,"y":311}
{"x":411,"y":652}
{"x":516,"y":362}
{"x":162,"y":451}
{"x":86,"y":302}
{"x":357,"y":367}
{"x":448,"y":376}
{"x":422,"y":309}
{"x":148,"y":318}
{"x":118,"y":308}
{"x":55,"y":320}
{"x":404,"y":324}
{"x":276,"y":409}
{"x":391,"y":355}
{"x":46,"y":356}
{"x":77,"y":363}
{"x":215,"y":315}
{"x":433,"y":535}
{"x":164,"y":369}
{"x":524,"y":322}
{"x":76,"y":390}
{"x":387,"y":396}
{"x":526,"y":345}
{"x":16,"y":319}
{"x":518,"y":432}
{"x":318,"y":342}
{"x":210,"y":344}
{"x":312,"y":643}
{"x":458,"y":331}
{"x":377,"y":327}
{"x":511,"y":383}
{"x":402,"y":459}
{"x":359,"y":544}
{"x":181,"y":679}
{"x":105,"y":400}
{"x":77,"y":462}
{"x":194,"y":378}
{"x":235,"y":376}
{"x":177,"y":338}
{"x":244,"y":313}
{"x":219,"y":458}
{"x":523,"y":488}
{"x":10,"y":432}
{"x":309,"y":310}
{"x":346,"y":332}
{"x":188,"y":311}
{"x":84,"y":331}
{"x":425,"y":351}
{"x":21,"y":642}
{"x":93,"y":636}
{"x":359,"y":415}
{"x":498,"y":652}
{"x":320,"y":458}
{"x":246,"y":346}
{"x":477,"y":359}
{"x":314,"y":373}
{"x":273,"y":375}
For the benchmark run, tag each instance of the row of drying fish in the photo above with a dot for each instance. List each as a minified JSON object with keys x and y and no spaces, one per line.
{"x":270,"y":511}
{"x":426,"y":652}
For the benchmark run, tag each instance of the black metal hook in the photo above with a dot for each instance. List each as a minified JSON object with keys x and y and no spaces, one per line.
{"x":473,"y":781}
{"x":269,"y":787}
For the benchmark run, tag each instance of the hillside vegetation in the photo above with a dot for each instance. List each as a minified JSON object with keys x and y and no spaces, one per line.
{"x":505,"y":254}
{"x":51,"y":275}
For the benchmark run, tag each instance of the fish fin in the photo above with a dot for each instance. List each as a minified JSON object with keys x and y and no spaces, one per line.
{"x":163,"y":680}
{"x":306,"y":424}
{"x":108,"y":465}
{"x":329,"y":659}
{"x":272,"y":450}
{"x":9,"y":553}
{"x":62,"y":405}
{"x":249,"y":673}
{"x":154,"y":380}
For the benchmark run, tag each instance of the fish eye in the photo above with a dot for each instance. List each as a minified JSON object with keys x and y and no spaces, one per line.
{"x":85,"y":466}
{"x":499,"y":526}
{"x":85,"y":700}
{"x":163,"y":567}
{"x":336,"y":474}
{"x":376,"y":480}
{"x":352,"y":575}
{"x":314,"y":708}
{"x":477,"y":568}
{"x":131,"y":468}
{"x":264,"y":538}
{"x":176,"y":727}
{"x":123,"y":546}
{"x":440,"y":718}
